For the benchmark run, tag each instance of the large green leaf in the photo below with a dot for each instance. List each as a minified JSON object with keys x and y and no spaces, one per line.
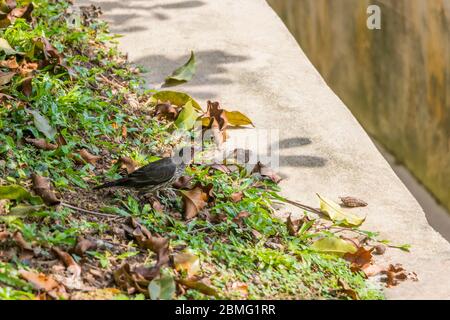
{"x":19,"y":193}
{"x":177,"y":98}
{"x":335,"y":213}
{"x":14,"y":192}
{"x":43,"y":125}
{"x":162,"y":288}
{"x":182,"y":74}
{"x":187,"y":117}
{"x":333,"y":245}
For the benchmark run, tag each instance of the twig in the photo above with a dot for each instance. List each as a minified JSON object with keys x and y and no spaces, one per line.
{"x":104,"y":215}
{"x":304,"y":207}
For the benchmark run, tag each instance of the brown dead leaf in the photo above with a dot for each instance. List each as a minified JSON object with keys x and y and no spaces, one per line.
{"x":241,"y":288}
{"x":239,"y":218}
{"x":84,"y":245}
{"x":136,"y":280}
{"x":26,"y":69}
{"x":359,"y":260}
{"x":68,"y":261}
{"x":396,"y":273}
{"x":293,"y":226}
{"x":22,"y":12}
{"x":146,"y":240}
{"x":4,"y":235}
{"x":18,"y":238}
{"x":352,"y":202}
{"x":237,"y":196}
{"x":43,"y":188}
{"x":42,"y":282}
{"x":27,"y":86}
{"x":50,"y":52}
{"x":265,"y":171}
{"x":88,"y":157}
{"x":167,"y":110}
{"x":198,"y":285}
{"x":11,"y":63}
{"x":129,"y":164}
{"x":5,"y":77}
{"x":124,"y":132}
{"x":221,"y":167}
{"x":347,"y":290}
{"x":186,"y":262}
{"x":41,"y":144}
{"x":193,"y":201}
{"x":183,"y":182}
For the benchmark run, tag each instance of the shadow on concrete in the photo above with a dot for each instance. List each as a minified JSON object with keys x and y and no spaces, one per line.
{"x":299,"y":160}
{"x":147,"y":8}
{"x":211,"y":70}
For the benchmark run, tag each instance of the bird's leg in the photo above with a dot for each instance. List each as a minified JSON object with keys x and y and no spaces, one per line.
{"x":170,"y":193}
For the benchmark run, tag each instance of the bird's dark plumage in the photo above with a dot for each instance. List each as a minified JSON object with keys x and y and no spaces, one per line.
{"x":153,"y":176}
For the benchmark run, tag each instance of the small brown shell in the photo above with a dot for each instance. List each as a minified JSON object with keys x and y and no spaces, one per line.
{"x":352,"y":202}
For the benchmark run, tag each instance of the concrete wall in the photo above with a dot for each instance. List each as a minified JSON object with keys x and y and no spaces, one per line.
{"x":396,"y":80}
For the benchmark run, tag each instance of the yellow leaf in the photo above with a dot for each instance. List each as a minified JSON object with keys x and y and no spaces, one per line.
{"x":236,"y":118}
{"x":333,"y":245}
{"x":187,"y":262}
{"x":335,"y":213}
{"x":176,"y":98}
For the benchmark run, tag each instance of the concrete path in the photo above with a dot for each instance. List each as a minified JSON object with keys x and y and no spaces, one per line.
{"x":248,"y":61}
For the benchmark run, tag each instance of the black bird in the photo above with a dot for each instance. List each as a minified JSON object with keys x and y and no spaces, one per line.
{"x":152,"y":177}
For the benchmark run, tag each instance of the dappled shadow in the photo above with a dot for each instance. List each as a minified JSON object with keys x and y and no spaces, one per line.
{"x":308,"y":161}
{"x":118,"y":12}
{"x":211,"y":70}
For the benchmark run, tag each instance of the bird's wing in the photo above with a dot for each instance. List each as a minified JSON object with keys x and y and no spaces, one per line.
{"x":153,"y":173}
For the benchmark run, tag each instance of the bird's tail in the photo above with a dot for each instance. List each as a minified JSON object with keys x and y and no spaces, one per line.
{"x":106,"y":185}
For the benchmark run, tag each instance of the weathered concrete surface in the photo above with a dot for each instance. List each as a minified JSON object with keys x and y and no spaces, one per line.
{"x":249,"y":61}
{"x":396,"y":81}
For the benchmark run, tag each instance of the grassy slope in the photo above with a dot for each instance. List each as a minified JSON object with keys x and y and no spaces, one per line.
{"x":89,"y":111}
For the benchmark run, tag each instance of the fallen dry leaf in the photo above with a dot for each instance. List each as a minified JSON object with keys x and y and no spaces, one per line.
{"x":68,"y":261}
{"x":129,"y":164}
{"x":396,"y":273}
{"x":183,"y":182}
{"x":187,"y":262}
{"x":347,"y":290}
{"x":221,"y":167}
{"x":88,"y":157}
{"x":293,"y":226}
{"x":146,"y":240}
{"x":43,"y":188}
{"x":136,"y":280}
{"x":193,"y":200}
{"x":45,"y":283}
{"x":241,"y":288}
{"x":166,"y":110}
{"x":27,"y":86}
{"x":359,"y":259}
{"x":84,"y":245}
{"x":18,"y":238}
{"x":237,"y":196}
{"x":352,"y":202}
{"x":266,"y":171}
{"x":41,"y":144}
{"x":4,"y":235}
{"x":198,"y":285}
{"x":10,"y":63}
{"x":239,"y":218}
{"x":22,"y":12}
